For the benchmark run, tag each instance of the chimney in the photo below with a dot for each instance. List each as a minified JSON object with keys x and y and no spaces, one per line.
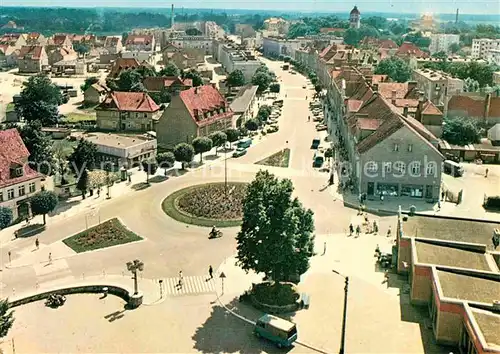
{"x":487,"y":104}
{"x":405,"y":110}
{"x":420,"y":107}
{"x":393,"y":97}
{"x":172,"y":18}
{"x":214,"y":85}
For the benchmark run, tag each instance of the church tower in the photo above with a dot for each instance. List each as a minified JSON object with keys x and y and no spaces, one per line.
{"x":354,"y":18}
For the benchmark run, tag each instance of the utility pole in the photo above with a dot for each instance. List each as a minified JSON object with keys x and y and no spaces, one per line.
{"x":222,"y":276}
{"x":133,"y":267}
{"x":344,"y":316}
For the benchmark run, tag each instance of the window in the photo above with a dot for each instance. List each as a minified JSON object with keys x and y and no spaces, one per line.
{"x":410,"y":147}
{"x":10,"y":194}
{"x":415,"y":168}
{"x":371,"y":166}
{"x":430,"y":169}
{"x":400,"y":167}
{"x":21,"y":190}
{"x":1,"y":196}
{"x":396,"y":147}
{"x":387,"y":167}
{"x":32,"y":187}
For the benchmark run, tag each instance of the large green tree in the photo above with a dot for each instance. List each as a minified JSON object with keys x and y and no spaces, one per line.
{"x":397,"y":69}
{"x":128,"y":81}
{"x":39,"y":146}
{"x":6,"y":217}
{"x":218,"y":139}
{"x":39,"y":100}
{"x":193,"y":75}
{"x":161,"y":97}
{"x":202,"y":144}
{"x":165,"y":160}
{"x":89,"y":82}
{"x":170,"y":70}
{"x":261,"y":79}
{"x":83,"y":182}
{"x":6,"y":317}
{"x":184,"y":153}
{"x":43,"y":202}
{"x":232,"y":134}
{"x":276,"y":236}
{"x":150,"y":166}
{"x":236,"y":78}
{"x":461,"y":131}
{"x":84,"y":156}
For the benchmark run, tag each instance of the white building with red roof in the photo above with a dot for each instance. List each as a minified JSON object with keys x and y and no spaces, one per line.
{"x":127,"y":111}
{"x":32,"y":59}
{"x":18,"y":181}
{"x":140,"y":42}
{"x":196,"y":112}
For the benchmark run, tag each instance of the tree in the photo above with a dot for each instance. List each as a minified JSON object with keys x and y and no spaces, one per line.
{"x":318,"y":88}
{"x":146,"y":71}
{"x":276,"y":236}
{"x":43,"y":202}
{"x":461,"y":131}
{"x":89,"y":82}
{"x":236,"y":78}
{"x":6,"y":217}
{"x":440,"y":55}
{"x":39,"y":146}
{"x":202,"y":144}
{"x":81,"y":48}
{"x":165,"y":160}
{"x":124,"y":37}
{"x":150,"y":166}
{"x":274,"y":87}
{"x":184,"y":153}
{"x":218,"y":139}
{"x":329,"y":153}
{"x":471,"y":85}
{"x":397,"y":69}
{"x":6,"y":317}
{"x":261,"y":79}
{"x":170,"y":70}
{"x":354,"y":35}
{"x":232,"y":135}
{"x":454,"y":47}
{"x":193,"y":32}
{"x":83,"y":182}
{"x":84,"y":156}
{"x":161,"y":97}
{"x":129,"y":81}
{"x":193,"y":75}
{"x":252,"y":124}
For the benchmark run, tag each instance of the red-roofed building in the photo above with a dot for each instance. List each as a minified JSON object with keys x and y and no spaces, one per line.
{"x":8,"y":55}
{"x":196,"y":112}
{"x":32,"y":59}
{"x":408,"y":50}
{"x":122,"y":64}
{"x":16,"y":40}
{"x":140,"y":42}
{"x":59,"y":41}
{"x":484,"y":108}
{"x":173,"y":84}
{"x":132,"y":111}
{"x":18,"y":181}
{"x":113,"y":44}
{"x":35,"y":38}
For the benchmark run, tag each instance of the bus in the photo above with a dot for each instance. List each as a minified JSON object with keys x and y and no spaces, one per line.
{"x":453,"y":168}
{"x":244,"y":143}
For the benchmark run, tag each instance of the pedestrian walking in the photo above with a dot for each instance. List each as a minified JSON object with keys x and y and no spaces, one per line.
{"x":211,"y":272}
{"x":324,"y":248}
{"x":37,"y":243}
{"x":439,"y":205}
{"x":442,"y":196}
{"x":486,"y":174}
{"x":389,"y":231}
{"x":98,"y":192}
{"x":358,"y":231}
{"x":180,"y":279}
{"x":375,"y":227}
{"x":50,"y":257}
{"x":351,"y":229}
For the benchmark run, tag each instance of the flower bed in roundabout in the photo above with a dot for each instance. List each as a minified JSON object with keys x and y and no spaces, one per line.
{"x":207,"y":204}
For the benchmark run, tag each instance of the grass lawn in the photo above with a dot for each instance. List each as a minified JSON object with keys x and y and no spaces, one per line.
{"x":109,"y":233}
{"x":279,"y":159}
{"x":74,"y":117}
{"x":192,"y":197}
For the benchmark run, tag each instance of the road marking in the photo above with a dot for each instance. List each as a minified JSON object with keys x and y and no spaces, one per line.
{"x":190,"y":285}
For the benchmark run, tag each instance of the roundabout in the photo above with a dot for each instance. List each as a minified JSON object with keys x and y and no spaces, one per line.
{"x":207,"y":204}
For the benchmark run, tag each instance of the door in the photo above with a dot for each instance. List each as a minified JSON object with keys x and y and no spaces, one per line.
{"x":428,"y":192}
{"x":123,"y":126}
{"x":371,"y":188}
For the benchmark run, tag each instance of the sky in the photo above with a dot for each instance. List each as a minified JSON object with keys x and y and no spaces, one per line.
{"x":397,"y":6}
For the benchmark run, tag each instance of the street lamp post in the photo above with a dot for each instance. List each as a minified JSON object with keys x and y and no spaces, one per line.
{"x":344,"y":315}
{"x":133,"y":267}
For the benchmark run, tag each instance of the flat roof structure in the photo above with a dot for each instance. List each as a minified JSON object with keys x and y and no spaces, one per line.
{"x":450,"y":229}
{"x":115,"y":140}
{"x":242,"y":100}
{"x":451,"y":256}
{"x":475,"y":288}
{"x":489,"y":323}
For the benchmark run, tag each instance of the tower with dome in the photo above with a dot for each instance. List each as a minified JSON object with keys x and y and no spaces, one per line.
{"x":354,"y":18}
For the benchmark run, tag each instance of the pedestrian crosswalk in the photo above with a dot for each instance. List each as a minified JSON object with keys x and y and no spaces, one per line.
{"x":191,"y":285}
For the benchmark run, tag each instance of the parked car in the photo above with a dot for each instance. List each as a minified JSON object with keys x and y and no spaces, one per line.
{"x":321,"y":127}
{"x":239,"y":152}
{"x":304,"y":86}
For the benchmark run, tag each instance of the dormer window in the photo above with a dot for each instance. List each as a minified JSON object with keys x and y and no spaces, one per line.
{"x":16,"y":172}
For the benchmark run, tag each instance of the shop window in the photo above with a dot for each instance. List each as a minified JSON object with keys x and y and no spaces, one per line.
{"x":388,"y":189}
{"x":413,"y":191}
